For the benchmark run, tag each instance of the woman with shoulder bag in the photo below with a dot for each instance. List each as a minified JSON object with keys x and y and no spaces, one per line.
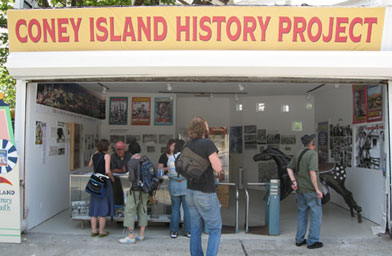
{"x":177,"y":189}
{"x":100,"y":208}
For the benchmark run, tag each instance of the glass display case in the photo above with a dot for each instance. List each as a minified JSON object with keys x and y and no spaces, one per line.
{"x":159,"y":207}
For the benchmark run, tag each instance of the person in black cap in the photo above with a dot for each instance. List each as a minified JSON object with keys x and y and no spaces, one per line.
{"x":305,"y":181}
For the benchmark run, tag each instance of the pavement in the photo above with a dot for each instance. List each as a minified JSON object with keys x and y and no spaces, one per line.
{"x":35,"y":243}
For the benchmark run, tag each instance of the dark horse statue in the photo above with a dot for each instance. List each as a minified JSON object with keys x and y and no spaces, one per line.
{"x":331,"y":175}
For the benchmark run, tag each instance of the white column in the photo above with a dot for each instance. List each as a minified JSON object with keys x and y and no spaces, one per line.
{"x":388,"y":142}
{"x":20,"y":133}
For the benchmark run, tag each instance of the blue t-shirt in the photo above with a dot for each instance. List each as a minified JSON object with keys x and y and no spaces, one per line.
{"x":178,"y":184}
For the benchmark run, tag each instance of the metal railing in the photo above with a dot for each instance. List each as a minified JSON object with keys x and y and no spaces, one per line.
{"x":247,"y":202}
{"x":237,"y":196}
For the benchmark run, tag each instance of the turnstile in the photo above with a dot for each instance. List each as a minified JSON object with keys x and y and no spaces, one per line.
{"x":272,"y":209}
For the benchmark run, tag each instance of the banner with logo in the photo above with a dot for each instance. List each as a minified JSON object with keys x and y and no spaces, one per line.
{"x":197,"y":28}
{"x":10,"y":231}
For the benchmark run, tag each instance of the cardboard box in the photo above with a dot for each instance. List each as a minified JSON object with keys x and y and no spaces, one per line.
{"x":223,"y":195}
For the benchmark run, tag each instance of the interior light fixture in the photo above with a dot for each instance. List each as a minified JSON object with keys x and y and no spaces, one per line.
{"x":240,"y":87}
{"x":308,"y":96}
{"x":104,"y":90}
{"x":169,"y":87}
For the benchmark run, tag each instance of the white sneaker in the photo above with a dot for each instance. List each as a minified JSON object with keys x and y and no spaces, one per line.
{"x":127,"y":240}
{"x":173,"y":234}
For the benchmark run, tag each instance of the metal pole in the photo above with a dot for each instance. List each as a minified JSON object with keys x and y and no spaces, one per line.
{"x":246,"y":210}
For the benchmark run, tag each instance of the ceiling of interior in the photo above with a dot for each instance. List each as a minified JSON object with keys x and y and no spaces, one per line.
{"x":218,"y":88}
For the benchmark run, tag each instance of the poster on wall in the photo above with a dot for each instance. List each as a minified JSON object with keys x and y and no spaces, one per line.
{"x":374,"y":103}
{"x":261,"y":136}
{"x":288,"y":139}
{"x":71,"y":97}
{"x":236,"y":139}
{"x":273,"y":137}
{"x":129,"y":139}
{"x":39,"y":132}
{"x":150,"y":139}
{"x":369,"y":146}
{"x":250,"y":129}
{"x":322,"y":142}
{"x":341,"y":144}
{"x":60,"y":132}
{"x":118,"y":110}
{"x":163,"y":111}
{"x":359,"y":104}
{"x":141,"y":110}
{"x":164,"y":138}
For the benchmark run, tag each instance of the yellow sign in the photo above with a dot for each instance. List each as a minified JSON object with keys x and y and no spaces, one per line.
{"x":196,"y":28}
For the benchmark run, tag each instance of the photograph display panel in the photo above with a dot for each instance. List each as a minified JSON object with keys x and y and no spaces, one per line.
{"x":118,"y":110}
{"x":71,"y":97}
{"x":369,"y":146}
{"x":236,"y":139}
{"x":141,"y":109}
{"x":341,"y":144}
{"x":163,"y":111}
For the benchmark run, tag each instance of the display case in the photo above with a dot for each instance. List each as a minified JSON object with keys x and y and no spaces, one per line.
{"x":158,"y":210}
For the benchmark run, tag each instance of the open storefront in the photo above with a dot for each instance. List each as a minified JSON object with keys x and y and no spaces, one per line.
{"x":260,"y":82}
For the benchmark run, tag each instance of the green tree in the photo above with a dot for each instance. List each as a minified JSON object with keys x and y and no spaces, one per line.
{"x":7,"y":83}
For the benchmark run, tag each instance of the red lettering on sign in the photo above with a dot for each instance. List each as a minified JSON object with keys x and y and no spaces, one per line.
{"x":146,"y":28}
{"x":160,"y":20}
{"x":340,"y":29}
{"x":283,"y":29}
{"x":354,"y":38}
{"x":236,"y":35}
{"x":37,"y":37}
{"x":128,"y":30}
{"x":103,"y":29}
{"x":249,"y":27}
{"x":183,"y":28}
{"x":313,"y":21}
{"x":218,"y":20}
{"x":370,"y":22}
{"x":49,"y":29}
{"x":263,"y":26}
{"x":205,"y":28}
{"x":19,"y":23}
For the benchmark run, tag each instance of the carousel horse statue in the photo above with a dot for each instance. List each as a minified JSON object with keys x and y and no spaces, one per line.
{"x":331,"y":175}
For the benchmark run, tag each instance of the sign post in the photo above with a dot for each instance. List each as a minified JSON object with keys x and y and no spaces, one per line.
{"x":10,"y":231}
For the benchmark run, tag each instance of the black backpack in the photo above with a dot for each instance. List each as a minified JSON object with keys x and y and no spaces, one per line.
{"x":191,"y":165}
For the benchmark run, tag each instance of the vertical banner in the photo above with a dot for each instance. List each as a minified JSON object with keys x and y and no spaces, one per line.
{"x":163,"y":111}
{"x":118,"y":110}
{"x":9,"y":180}
{"x":322,"y":142}
{"x":141,"y":110}
{"x":374,"y":103}
{"x":359,"y":104}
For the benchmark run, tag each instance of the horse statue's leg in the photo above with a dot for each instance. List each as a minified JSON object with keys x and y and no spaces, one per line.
{"x":338,"y":185}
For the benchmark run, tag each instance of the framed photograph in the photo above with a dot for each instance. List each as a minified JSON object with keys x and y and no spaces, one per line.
{"x":164,"y":138}
{"x":141,"y":110}
{"x":118,"y":110}
{"x":236,"y":139}
{"x":163,"y":111}
{"x":149,"y":139}
{"x":374,"y":103}
{"x":359,"y":104}
{"x":250,"y":129}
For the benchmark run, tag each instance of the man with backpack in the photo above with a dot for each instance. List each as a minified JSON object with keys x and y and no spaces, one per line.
{"x":141,"y":175}
{"x":201,"y":195}
{"x":305,"y":181}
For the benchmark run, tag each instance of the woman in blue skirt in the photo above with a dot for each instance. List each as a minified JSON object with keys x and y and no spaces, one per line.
{"x":100,"y":208}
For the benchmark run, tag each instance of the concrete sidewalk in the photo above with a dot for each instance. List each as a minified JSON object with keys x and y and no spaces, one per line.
{"x":46,"y":244}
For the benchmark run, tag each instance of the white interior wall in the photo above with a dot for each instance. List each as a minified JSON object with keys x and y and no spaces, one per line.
{"x":273,"y":119}
{"x":107,"y":130}
{"x":368,"y":186}
{"x":47,"y":184}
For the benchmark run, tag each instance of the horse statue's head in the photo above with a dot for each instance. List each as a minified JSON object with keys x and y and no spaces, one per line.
{"x":281,"y":161}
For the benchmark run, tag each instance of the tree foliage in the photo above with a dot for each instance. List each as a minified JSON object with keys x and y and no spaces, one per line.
{"x":7,"y":83}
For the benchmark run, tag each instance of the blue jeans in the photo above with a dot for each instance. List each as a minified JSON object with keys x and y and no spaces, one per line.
{"x":175,"y":215}
{"x":305,"y":202}
{"x":204,"y":206}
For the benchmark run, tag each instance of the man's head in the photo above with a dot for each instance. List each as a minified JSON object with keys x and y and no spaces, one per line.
{"x":308,"y":140}
{"x":198,"y":128}
{"x":120,"y":148}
